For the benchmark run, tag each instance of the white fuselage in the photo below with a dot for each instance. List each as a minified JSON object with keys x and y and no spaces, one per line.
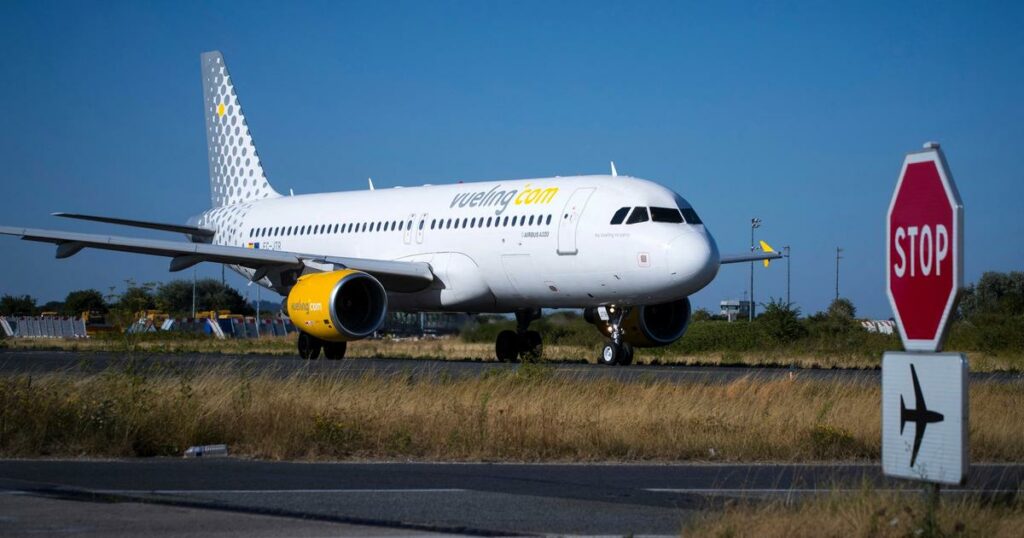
{"x":494,"y":246}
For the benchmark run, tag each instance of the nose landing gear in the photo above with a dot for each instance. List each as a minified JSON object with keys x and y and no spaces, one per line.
{"x":616,"y":351}
{"x":521,"y":343}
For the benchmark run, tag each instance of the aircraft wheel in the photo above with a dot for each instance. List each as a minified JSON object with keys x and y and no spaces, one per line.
{"x":531,"y":346}
{"x":309,"y":346}
{"x":627,"y":354}
{"x":335,"y":350}
{"x":507,"y":346}
{"x":610,"y":354}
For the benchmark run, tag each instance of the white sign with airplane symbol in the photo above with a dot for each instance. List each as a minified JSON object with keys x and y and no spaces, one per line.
{"x":924,"y":416}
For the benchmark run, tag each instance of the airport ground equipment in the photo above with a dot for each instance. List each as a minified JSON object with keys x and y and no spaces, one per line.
{"x":43,"y":327}
{"x":925,"y":392}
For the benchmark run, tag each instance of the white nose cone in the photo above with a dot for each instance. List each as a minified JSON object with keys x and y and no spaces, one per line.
{"x":692,"y":261}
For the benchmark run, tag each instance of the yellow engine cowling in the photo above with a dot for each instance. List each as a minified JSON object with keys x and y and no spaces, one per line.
{"x":649,"y":325}
{"x":337,"y":306}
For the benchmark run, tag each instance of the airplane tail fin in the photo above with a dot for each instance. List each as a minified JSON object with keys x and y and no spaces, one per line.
{"x":766,"y":248}
{"x":236,"y":173}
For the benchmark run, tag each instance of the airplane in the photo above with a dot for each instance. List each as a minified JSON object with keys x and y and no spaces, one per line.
{"x":627,"y":251}
{"x":921,"y":416}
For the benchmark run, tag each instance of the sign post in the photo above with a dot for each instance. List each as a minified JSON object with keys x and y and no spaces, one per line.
{"x":924,"y":392}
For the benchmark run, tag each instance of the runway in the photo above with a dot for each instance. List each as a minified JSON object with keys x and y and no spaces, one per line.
{"x":414,"y":498}
{"x":84,"y":362}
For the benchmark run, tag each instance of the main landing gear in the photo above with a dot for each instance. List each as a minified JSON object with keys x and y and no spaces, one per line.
{"x":520,"y":343}
{"x":310,"y":347}
{"x":616,"y":351}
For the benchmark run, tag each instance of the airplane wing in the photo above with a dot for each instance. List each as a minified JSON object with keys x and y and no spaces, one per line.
{"x":750,"y":257}
{"x":394,"y":275}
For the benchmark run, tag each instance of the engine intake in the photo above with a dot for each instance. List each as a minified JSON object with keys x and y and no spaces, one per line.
{"x":649,"y":325}
{"x":338,"y":306}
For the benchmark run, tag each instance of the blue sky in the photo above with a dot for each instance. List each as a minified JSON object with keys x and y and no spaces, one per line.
{"x":797,"y":113}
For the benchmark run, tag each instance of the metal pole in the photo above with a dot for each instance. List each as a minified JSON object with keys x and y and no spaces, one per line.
{"x":754,"y":223}
{"x":786,"y":248}
{"x":838,"y":257}
{"x":193,"y":294}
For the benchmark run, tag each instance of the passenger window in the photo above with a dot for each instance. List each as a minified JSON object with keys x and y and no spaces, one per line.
{"x":619,"y":215}
{"x":690,"y":215}
{"x":638,"y":215}
{"x":531,"y":220}
{"x":666,"y":214}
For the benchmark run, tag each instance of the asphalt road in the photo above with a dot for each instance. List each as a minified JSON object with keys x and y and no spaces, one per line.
{"x":66,"y":361}
{"x":411,"y":498}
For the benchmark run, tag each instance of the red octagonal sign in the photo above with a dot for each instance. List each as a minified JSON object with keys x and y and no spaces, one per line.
{"x":924,"y":249}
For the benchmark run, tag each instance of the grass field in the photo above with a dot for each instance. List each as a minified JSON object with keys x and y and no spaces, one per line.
{"x":457,"y":349}
{"x":526,"y":414}
{"x":866,"y":513}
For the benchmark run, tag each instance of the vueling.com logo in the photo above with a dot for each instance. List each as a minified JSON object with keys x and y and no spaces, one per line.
{"x":500,"y":199}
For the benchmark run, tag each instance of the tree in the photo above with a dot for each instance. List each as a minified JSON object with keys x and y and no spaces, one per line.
{"x":781,"y":321}
{"x":137,"y":299}
{"x":701,"y":314}
{"x":999,"y":294}
{"x":842,"y":308}
{"x":52,"y":306}
{"x":24,"y":305}
{"x":175,"y":297}
{"x":84,"y":301}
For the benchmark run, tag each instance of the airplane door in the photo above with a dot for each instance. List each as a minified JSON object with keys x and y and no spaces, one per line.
{"x":407,"y":236}
{"x":419,"y":228}
{"x":570,"y":220}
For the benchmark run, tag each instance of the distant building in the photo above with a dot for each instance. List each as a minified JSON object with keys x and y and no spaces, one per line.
{"x":732,"y":309}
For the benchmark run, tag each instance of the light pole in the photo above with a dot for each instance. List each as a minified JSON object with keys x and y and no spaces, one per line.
{"x":786,"y":250}
{"x":193,"y":293}
{"x":839,"y":256}
{"x":754,"y":223}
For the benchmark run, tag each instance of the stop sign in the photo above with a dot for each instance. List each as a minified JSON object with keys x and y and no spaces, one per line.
{"x":924,"y":249}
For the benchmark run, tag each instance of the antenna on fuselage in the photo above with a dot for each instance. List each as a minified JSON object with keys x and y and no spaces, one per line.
{"x":615,"y":173}
{"x":370,"y":181}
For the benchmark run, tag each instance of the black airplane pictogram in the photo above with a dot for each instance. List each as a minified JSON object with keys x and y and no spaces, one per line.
{"x":921,"y":416}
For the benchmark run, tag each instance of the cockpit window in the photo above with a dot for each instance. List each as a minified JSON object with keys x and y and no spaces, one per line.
{"x":638,"y":215}
{"x":620,"y":215}
{"x":690,"y":215}
{"x":666,"y":214}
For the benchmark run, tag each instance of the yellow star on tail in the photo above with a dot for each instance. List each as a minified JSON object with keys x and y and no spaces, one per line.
{"x":220,"y":110}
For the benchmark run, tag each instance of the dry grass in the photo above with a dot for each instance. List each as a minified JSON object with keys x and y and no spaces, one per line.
{"x":523,"y":415}
{"x":868,"y":513}
{"x":455,"y":349}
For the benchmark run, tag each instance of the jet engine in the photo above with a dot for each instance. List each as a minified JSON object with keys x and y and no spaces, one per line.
{"x":337,"y":306}
{"x":648,"y":325}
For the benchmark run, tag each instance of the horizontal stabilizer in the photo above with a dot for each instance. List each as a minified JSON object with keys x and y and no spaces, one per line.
{"x":179,"y":228}
{"x":751,"y":257}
